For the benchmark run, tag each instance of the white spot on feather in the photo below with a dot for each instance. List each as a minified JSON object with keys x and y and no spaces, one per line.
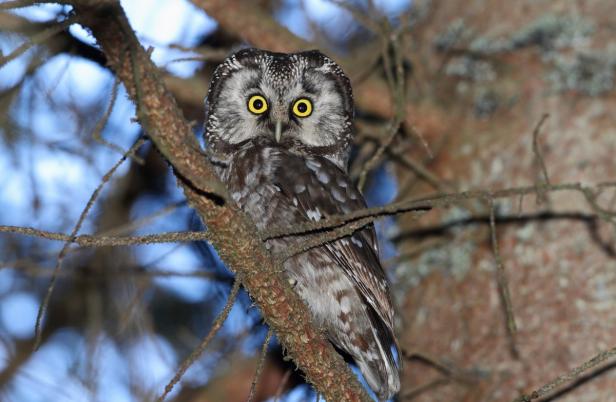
{"x":338,"y":196}
{"x":345,"y":305}
{"x":313,"y":164}
{"x":314,"y":214}
{"x":323,"y":176}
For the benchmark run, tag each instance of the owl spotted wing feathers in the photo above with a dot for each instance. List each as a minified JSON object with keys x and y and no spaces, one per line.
{"x":283,"y":168}
{"x":323,"y":190}
{"x":328,"y":191}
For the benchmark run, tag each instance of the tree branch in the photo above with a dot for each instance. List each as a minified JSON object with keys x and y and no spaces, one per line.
{"x":233,"y":235}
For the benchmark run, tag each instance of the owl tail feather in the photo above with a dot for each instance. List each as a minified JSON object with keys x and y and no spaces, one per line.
{"x":380,"y":371}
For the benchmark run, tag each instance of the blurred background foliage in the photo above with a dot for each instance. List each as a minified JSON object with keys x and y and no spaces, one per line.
{"x":477,"y":76}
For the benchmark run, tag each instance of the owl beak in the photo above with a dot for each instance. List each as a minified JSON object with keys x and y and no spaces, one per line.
{"x":278,"y":130}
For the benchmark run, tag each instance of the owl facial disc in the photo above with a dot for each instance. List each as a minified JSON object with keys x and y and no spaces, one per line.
{"x":298,"y":101}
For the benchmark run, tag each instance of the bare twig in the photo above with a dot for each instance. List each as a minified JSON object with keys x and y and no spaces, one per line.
{"x":450,"y":374}
{"x":282,"y":385}
{"x":421,"y":171}
{"x":539,"y":159}
{"x":503,"y":286}
{"x":97,"y":133}
{"x":375,"y":159}
{"x":416,"y":251}
{"x":204,"y":343}
{"x":397,"y":89}
{"x":37,"y":39}
{"x":109,"y":241}
{"x":570,"y":376}
{"x":440,"y":200}
{"x":260,"y":364}
{"x":420,"y":389}
{"x":332,"y":234}
{"x":208,"y":53}
{"x":453,"y":373}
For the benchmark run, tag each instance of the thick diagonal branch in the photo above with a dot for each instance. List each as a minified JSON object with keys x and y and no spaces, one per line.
{"x":232,"y":234}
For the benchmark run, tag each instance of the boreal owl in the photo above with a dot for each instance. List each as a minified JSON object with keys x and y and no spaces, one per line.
{"x":278,"y":129}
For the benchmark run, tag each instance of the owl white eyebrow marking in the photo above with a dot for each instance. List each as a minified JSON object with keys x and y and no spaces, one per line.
{"x":252,"y":85}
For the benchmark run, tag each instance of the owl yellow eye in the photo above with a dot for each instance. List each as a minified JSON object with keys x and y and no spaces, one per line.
{"x":257,"y":104}
{"x":302,"y":107}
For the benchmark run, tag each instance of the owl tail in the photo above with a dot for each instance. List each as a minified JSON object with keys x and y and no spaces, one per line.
{"x":379,"y":369}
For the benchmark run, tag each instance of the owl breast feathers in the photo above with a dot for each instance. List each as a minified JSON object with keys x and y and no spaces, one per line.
{"x":278,"y":129}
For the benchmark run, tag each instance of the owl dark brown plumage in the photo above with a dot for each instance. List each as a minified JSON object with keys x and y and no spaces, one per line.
{"x":278,"y":130}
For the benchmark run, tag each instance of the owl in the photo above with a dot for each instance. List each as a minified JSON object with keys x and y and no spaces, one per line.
{"x":278,"y":130}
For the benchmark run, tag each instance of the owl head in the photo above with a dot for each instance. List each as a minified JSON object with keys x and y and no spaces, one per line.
{"x":300,"y":101}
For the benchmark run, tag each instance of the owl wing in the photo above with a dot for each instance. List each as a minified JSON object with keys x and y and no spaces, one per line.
{"x":318,"y":189}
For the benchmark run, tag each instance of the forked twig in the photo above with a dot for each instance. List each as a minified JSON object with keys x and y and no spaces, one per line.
{"x":570,"y":376}
{"x":260,"y":364}
{"x":37,"y":39}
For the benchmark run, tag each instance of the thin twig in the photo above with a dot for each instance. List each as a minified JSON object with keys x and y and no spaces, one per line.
{"x":420,"y":389}
{"x":415,"y":251}
{"x":539,"y":159}
{"x":97,"y":133}
{"x":378,"y":154}
{"x":282,"y":385}
{"x":453,"y":373}
{"x":37,"y":39}
{"x":208,"y":53}
{"x":503,"y":286}
{"x":110,"y":241}
{"x":420,"y":171}
{"x":441,"y":200}
{"x":141,"y":222}
{"x":45,"y":304}
{"x":570,"y":376}
{"x":397,"y":89}
{"x":204,"y":343}
{"x":260,"y":364}
{"x":331,"y":235}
